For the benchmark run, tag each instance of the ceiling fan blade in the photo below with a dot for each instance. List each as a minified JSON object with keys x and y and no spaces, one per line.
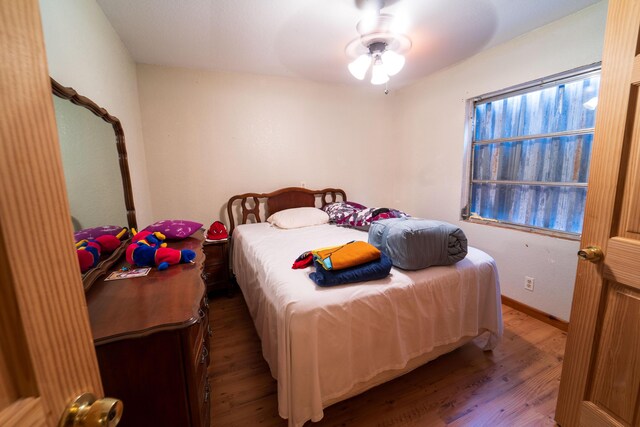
{"x":374,"y":4}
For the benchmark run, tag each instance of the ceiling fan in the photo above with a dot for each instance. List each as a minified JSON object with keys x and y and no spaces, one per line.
{"x":378,"y":47}
{"x":374,"y":4}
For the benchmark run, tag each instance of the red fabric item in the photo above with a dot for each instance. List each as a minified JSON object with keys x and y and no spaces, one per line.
{"x":304,"y":260}
{"x":85,"y":259}
{"x":108,"y":243}
{"x":217,"y":231}
{"x":129,"y":253}
{"x":168,"y":255}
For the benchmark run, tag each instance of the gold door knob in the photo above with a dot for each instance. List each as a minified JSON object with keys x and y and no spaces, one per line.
{"x":591,"y":253}
{"x":87,"y":411}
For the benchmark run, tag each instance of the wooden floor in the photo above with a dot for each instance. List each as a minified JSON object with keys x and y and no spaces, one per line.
{"x":514,"y":385}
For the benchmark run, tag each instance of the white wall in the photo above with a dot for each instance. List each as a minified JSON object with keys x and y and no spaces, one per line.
{"x":210,"y":135}
{"x":84,"y":52}
{"x":430,"y":119}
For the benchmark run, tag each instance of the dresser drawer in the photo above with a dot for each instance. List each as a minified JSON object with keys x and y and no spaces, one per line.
{"x":215,"y":253}
{"x":196,"y":338}
{"x":205,"y":407}
{"x":201,"y":400}
{"x":197,"y":361}
{"x":215,"y":273}
{"x":201,"y":355}
{"x":204,"y":394}
{"x":200,"y":390}
{"x":217,"y":278}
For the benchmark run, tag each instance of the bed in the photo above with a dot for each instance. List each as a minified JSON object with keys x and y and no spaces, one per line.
{"x":324,"y":345}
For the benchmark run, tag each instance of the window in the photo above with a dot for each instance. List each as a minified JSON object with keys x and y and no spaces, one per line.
{"x":529,"y":153}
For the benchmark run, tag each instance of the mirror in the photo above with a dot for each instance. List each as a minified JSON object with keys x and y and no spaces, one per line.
{"x":94,"y":159}
{"x":91,"y":167}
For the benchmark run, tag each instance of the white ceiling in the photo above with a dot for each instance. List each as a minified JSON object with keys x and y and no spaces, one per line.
{"x":307,"y":38}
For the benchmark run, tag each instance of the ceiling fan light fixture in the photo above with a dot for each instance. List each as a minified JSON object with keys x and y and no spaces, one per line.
{"x":378,"y":74}
{"x":393,"y":62}
{"x":379,"y":48}
{"x":360,"y":66}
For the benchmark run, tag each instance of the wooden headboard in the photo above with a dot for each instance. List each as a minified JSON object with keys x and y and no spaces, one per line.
{"x":285,"y":198}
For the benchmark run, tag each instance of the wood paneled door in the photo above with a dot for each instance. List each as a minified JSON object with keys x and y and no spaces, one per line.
{"x":47,"y":356}
{"x":600,"y":382}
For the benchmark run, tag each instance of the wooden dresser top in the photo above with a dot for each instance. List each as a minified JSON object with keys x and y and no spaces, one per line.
{"x":162,"y":300}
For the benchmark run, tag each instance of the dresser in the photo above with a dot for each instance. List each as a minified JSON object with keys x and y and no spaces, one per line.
{"x":151,"y":336}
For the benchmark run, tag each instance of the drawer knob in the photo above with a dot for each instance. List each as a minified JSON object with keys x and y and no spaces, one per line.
{"x":87,"y":411}
{"x":205,"y":353}
{"x":207,"y":391}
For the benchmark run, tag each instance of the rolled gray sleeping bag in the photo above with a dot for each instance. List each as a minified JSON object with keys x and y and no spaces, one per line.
{"x":414,"y":244}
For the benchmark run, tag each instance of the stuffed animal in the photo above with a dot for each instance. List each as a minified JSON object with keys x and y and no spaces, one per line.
{"x":87,"y":258}
{"x":155,"y":238}
{"x":148,"y":250}
{"x":89,"y":251}
{"x":143,"y":255}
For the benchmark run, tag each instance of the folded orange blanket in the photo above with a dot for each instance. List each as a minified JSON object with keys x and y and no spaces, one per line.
{"x":347,"y":255}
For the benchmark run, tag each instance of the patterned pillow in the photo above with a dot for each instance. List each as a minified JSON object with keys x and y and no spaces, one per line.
{"x":175,"y":229}
{"x":95,"y":232}
{"x":363,"y":219}
{"x":340,"y":212}
{"x":356,"y":205}
{"x":337,"y":205}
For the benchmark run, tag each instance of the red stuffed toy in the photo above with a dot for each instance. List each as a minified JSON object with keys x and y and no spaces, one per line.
{"x":89,"y":251}
{"x":148,"y":250}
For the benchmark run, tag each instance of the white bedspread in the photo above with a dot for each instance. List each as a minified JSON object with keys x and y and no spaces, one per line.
{"x":321,"y":343}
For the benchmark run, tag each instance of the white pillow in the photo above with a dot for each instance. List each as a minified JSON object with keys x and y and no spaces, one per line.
{"x":298,"y":217}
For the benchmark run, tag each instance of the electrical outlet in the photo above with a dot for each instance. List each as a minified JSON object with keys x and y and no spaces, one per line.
{"x":528,"y":283}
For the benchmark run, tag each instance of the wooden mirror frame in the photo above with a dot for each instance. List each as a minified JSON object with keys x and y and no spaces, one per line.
{"x":71,"y":95}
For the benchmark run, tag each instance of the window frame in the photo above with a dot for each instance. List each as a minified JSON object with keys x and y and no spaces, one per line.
{"x":469,"y":132}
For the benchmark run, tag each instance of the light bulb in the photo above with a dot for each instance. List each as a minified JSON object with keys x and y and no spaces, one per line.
{"x":378,"y":74}
{"x":360,"y":66}
{"x":392,"y":62}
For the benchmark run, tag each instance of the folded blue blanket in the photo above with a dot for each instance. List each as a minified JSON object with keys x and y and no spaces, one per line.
{"x":413,"y":243}
{"x":373,"y":270}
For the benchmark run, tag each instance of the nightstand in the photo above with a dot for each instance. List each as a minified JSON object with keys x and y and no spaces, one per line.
{"x":215,"y":271}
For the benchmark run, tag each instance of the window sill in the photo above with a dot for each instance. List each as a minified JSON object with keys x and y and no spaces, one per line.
{"x":526,"y":228}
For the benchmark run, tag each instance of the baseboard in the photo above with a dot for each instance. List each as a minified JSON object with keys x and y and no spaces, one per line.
{"x":536,"y":314}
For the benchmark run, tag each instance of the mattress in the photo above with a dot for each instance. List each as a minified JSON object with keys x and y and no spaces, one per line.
{"x":326,"y":344}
